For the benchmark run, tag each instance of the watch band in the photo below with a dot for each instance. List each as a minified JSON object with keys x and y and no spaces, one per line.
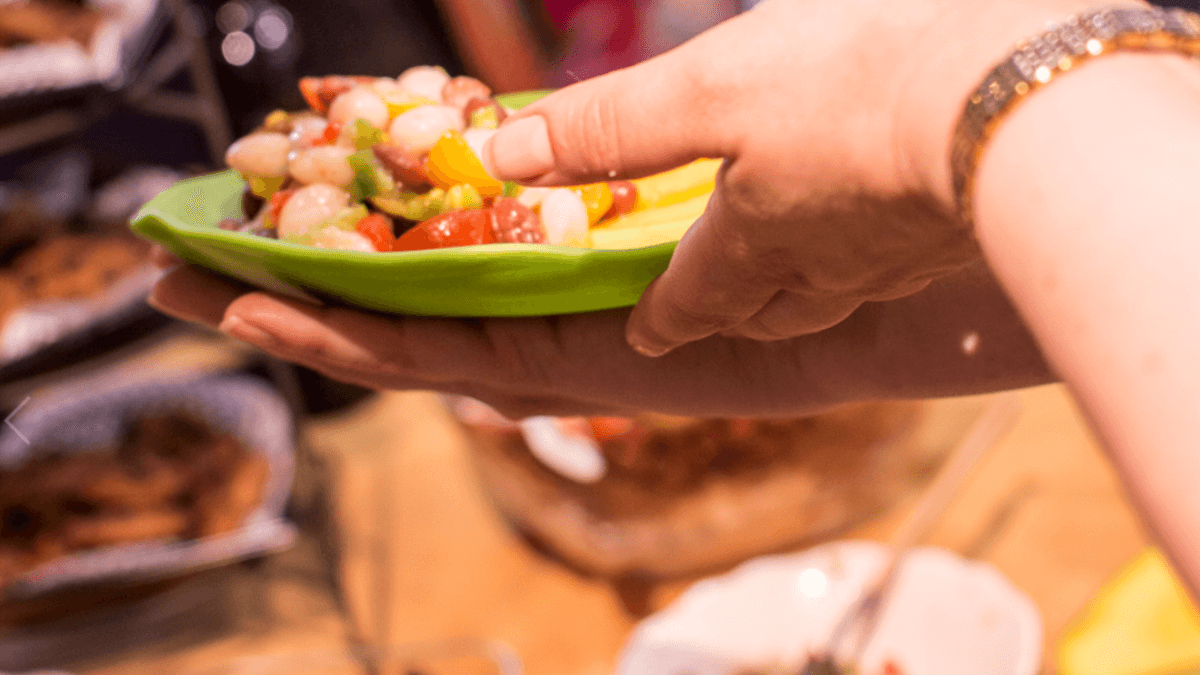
{"x":1038,"y":60}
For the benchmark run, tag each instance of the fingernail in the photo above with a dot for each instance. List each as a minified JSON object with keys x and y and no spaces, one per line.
{"x":164,"y":309}
{"x":646,"y":350}
{"x":246,"y":332}
{"x":519,"y":150}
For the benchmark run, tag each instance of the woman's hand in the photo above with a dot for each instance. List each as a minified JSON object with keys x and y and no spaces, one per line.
{"x":834,"y":118}
{"x":958,"y":336}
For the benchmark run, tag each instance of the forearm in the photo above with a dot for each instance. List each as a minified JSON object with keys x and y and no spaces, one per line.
{"x":959,"y":336}
{"x":1086,"y":208}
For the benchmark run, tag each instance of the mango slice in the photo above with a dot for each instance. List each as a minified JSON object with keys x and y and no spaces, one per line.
{"x":1142,"y":622}
{"x":677,"y":185}
{"x":650,"y":227}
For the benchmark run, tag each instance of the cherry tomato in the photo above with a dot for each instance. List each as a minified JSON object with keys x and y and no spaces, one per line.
{"x":456,"y":228}
{"x":624,"y":196}
{"x":377,"y":228}
{"x":514,"y":223}
{"x":276,"y":204}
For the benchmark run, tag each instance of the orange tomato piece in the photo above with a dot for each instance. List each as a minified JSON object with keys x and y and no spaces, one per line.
{"x":597,"y":198}
{"x":451,"y":161}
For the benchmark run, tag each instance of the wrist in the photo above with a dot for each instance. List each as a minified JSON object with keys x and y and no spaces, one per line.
{"x":938,"y":88}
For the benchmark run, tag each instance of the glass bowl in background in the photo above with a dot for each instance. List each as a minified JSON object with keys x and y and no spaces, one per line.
{"x":654,"y":498}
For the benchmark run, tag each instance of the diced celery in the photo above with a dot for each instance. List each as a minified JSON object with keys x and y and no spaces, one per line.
{"x":264,"y":186}
{"x":364,"y":134}
{"x":461,"y":197}
{"x":305,"y":239}
{"x":345,"y":219}
{"x":411,"y":205}
{"x":485,"y":118}
{"x":369,"y":178}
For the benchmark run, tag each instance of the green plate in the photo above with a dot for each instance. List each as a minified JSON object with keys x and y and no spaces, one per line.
{"x":491,"y":280}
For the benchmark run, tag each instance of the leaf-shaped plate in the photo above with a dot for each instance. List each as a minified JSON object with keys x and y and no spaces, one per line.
{"x":489,"y":280}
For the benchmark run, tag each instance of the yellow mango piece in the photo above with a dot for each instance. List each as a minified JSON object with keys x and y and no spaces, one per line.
{"x":648,"y":228}
{"x":676,"y":185}
{"x":399,"y":102}
{"x":597,"y":198}
{"x":451,"y":162}
{"x":1142,"y":622}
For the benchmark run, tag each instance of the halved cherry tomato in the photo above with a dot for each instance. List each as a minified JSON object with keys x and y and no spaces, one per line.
{"x":276,"y":205}
{"x":455,"y":228}
{"x":377,"y":228}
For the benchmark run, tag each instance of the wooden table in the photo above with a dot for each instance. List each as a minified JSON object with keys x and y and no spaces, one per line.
{"x":1045,"y":508}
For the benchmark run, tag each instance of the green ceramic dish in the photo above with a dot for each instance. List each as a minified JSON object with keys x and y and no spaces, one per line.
{"x":492,"y":280}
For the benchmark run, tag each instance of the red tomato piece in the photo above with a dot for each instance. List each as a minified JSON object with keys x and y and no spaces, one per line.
{"x":377,"y":228}
{"x":514,"y":223}
{"x":276,"y":204}
{"x":456,"y":228}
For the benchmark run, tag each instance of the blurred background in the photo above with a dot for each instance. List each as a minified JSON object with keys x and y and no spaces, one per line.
{"x":174,"y":502}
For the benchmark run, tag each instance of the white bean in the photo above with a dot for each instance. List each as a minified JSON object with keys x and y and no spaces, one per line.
{"x":532,"y":196}
{"x":344,"y":240}
{"x":424,"y":81}
{"x":565,"y":217}
{"x":475,"y":138}
{"x":310,"y":206}
{"x":307,"y":130}
{"x":359,"y":103}
{"x":260,"y":154}
{"x":322,"y":164}
{"x":417,"y":130}
{"x":383,"y":85}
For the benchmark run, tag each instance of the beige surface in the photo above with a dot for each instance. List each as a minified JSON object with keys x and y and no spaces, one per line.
{"x":1044,"y":507}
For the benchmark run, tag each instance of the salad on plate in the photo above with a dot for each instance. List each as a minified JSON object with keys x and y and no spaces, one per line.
{"x":378,"y":164}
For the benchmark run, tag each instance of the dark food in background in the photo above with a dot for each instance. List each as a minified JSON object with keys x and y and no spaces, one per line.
{"x":171,"y":476}
{"x":31,"y":21}
{"x":68,"y":267}
{"x":655,"y":459}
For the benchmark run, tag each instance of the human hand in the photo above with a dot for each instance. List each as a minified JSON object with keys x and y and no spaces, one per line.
{"x":959,"y":336}
{"x":834,"y":118}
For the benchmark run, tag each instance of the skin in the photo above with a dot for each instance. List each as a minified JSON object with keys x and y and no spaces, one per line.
{"x":828,"y":267}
